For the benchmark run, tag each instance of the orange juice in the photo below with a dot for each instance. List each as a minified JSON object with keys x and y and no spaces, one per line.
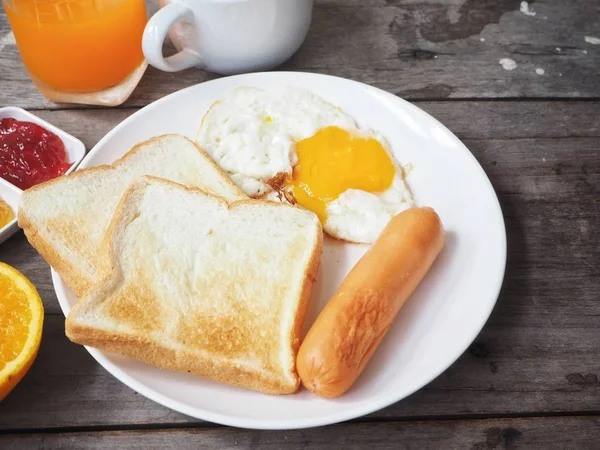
{"x":78,"y":45}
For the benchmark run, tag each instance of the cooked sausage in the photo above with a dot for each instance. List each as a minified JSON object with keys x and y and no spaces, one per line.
{"x":349,"y":329}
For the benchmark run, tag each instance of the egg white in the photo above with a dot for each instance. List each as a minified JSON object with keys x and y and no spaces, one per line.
{"x":236,"y":133}
{"x":360,"y":216}
{"x":252,"y":133}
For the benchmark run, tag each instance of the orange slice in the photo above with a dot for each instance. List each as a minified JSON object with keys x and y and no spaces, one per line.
{"x":21,"y":321}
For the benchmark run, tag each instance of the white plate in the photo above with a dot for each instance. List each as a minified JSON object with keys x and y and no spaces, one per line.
{"x":10,"y":193}
{"x":435,"y":326}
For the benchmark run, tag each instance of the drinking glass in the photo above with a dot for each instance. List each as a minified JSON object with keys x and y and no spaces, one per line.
{"x":82,"y":50}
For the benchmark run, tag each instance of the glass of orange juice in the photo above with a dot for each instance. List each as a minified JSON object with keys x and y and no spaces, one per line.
{"x":81,"y":51}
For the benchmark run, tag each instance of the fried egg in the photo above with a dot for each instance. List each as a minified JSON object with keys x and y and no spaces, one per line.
{"x":291,"y":144}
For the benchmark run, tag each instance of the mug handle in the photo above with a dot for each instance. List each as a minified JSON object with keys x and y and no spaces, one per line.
{"x":154,"y":36}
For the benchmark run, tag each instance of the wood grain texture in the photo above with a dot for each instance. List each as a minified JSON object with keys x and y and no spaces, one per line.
{"x":535,"y":353}
{"x":516,"y":369}
{"x":418,"y":49}
{"x":514,"y":434}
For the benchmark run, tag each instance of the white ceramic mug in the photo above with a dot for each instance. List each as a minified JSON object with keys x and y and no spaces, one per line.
{"x":227,"y":36}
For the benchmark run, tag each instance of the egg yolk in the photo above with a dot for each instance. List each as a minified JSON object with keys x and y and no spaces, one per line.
{"x":333,"y":161}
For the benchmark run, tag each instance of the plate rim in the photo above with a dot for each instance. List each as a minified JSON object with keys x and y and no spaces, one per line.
{"x":351,"y":413}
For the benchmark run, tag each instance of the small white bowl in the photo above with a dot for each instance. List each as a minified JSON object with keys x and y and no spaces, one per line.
{"x":9,"y":192}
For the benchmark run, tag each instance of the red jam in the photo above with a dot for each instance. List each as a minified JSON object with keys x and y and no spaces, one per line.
{"x":30,"y":154}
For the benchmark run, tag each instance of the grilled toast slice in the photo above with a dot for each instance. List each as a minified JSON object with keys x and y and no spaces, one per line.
{"x":65,"y":219}
{"x":202,"y":286}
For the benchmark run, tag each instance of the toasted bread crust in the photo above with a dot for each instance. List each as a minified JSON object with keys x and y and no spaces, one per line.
{"x":181,"y":361}
{"x":304,"y":300}
{"x":152,"y":352}
{"x":77,"y":281}
{"x":136,"y":148}
{"x":70,"y":274}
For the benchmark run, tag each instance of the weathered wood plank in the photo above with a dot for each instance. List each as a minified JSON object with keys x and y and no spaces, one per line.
{"x":535,"y":433}
{"x":430,"y":49}
{"x":520,"y":368}
{"x":467,"y":119}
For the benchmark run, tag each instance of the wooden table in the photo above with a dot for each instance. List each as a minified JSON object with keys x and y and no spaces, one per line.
{"x":531,"y":378}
